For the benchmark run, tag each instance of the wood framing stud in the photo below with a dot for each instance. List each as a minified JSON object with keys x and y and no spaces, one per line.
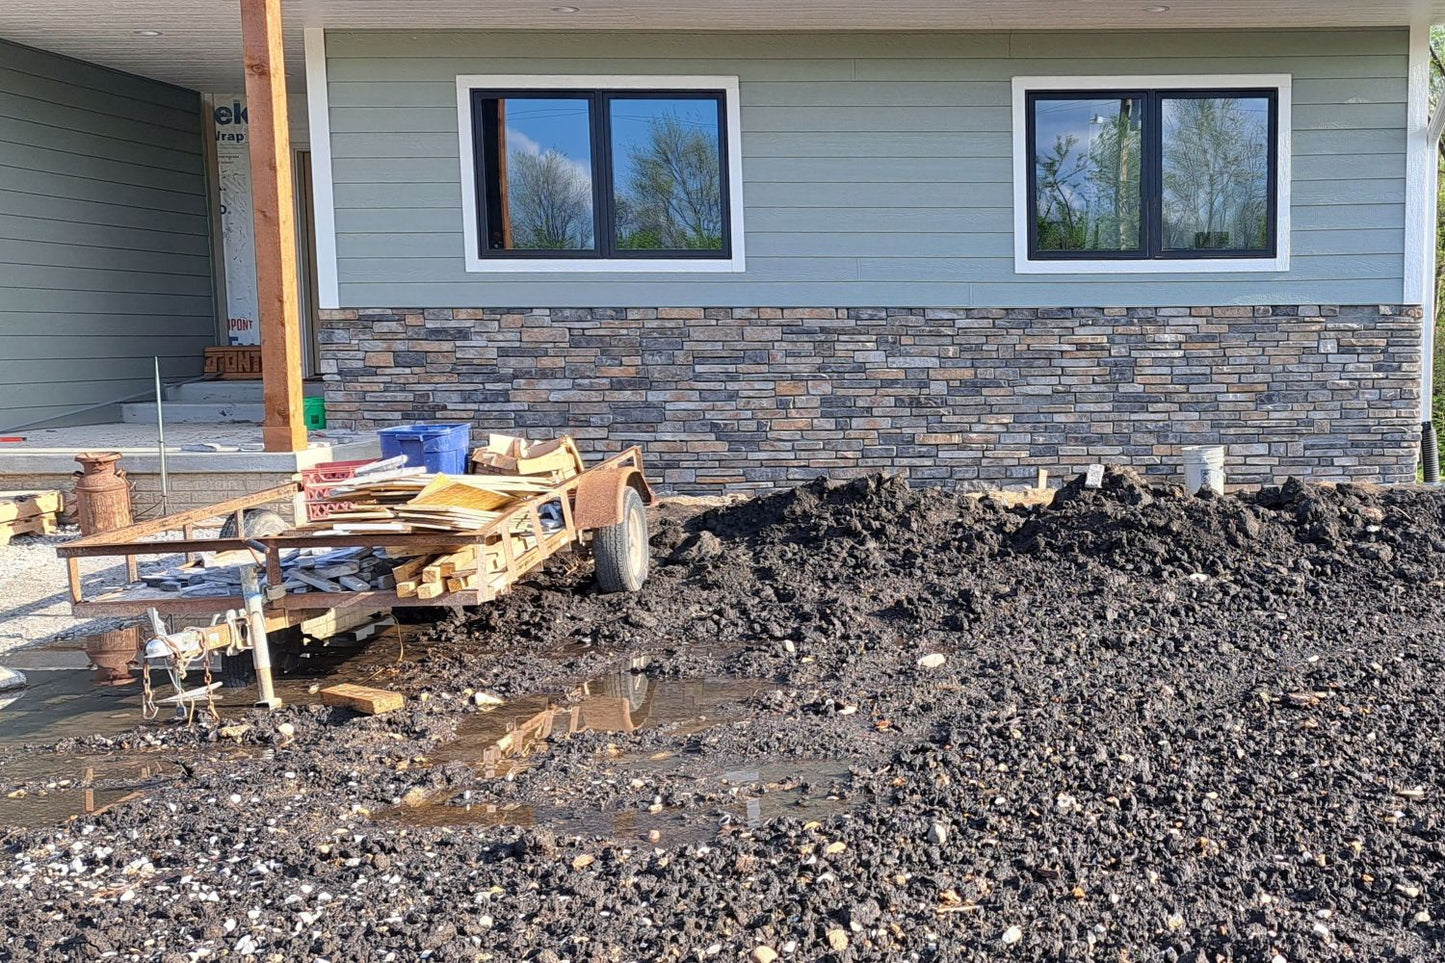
{"x":274,"y":205}
{"x":362,"y":698}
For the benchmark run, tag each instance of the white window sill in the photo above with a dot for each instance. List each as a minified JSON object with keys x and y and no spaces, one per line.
{"x":501,"y":265}
{"x":1179,"y":266}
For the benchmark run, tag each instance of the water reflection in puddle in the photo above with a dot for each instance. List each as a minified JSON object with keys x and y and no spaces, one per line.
{"x":749,"y":798}
{"x":49,"y":789}
{"x":515,"y":736}
{"x":62,"y":700}
{"x":621,"y":701}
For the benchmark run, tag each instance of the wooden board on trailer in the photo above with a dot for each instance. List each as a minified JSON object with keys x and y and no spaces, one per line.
{"x":362,"y":698}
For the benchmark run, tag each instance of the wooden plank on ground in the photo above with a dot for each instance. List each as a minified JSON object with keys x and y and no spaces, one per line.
{"x":362,"y":698}
{"x":28,"y":504}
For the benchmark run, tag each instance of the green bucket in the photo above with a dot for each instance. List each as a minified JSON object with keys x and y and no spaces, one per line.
{"x":314,"y":410}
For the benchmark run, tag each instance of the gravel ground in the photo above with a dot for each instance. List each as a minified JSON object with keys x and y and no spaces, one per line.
{"x":35,"y":593}
{"x":879,"y":724}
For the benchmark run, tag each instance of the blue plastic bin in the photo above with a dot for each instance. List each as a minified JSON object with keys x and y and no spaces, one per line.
{"x":441,"y":447}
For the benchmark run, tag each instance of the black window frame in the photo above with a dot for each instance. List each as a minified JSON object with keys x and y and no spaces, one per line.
{"x":600,"y":102}
{"x":1151,"y":202}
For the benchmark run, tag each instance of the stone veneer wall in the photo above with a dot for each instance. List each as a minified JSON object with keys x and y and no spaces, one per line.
{"x":756,"y":397}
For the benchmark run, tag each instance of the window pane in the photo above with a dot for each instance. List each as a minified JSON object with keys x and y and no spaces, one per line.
{"x":538,"y":168}
{"x":1087,"y":184}
{"x":1216,"y":173}
{"x":667,"y":174}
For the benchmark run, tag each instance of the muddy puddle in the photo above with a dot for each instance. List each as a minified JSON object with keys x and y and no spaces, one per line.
{"x":623,"y":700}
{"x":503,"y":742}
{"x":67,"y":698}
{"x":757,"y":794}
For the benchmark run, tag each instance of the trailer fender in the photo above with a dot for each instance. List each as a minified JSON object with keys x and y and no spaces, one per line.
{"x":600,"y":494}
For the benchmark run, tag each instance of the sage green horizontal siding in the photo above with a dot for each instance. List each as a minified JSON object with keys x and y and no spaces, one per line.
{"x":877,"y":169}
{"x":105,"y":259}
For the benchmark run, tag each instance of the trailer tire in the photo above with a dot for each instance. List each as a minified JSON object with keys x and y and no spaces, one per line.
{"x":421,"y":614}
{"x":621,"y":550}
{"x":237,"y":671}
{"x":258,"y":522}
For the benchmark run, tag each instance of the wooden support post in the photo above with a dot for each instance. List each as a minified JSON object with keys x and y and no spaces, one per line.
{"x":72,"y":570}
{"x":275,"y":212}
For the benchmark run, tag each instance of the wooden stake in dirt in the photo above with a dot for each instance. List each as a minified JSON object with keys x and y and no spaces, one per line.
{"x":362,"y":698}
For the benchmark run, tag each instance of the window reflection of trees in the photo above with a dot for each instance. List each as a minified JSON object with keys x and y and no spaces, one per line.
{"x":1089,"y":194}
{"x":549,"y":200}
{"x":1216,"y":174}
{"x":670,"y":199}
{"x":1214,"y":180}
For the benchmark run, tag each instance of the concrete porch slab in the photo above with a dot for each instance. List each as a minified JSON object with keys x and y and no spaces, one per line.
{"x":52,"y":451}
{"x":45,"y":459}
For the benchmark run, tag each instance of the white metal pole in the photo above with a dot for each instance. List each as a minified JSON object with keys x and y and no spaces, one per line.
{"x":161,"y":442}
{"x":256,"y":632}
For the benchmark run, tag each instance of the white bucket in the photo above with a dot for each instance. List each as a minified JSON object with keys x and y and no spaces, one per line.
{"x":1203,"y":467}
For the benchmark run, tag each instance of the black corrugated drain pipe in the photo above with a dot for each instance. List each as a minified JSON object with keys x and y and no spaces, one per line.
{"x":1429,"y":453}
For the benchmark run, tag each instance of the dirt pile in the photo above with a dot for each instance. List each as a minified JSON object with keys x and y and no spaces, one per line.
{"x":875,"y":723}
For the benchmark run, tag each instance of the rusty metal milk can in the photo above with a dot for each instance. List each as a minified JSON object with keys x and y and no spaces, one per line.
{"x":102,"y":495}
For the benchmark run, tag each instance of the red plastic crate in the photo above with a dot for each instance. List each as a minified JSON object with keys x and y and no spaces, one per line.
{"x":318,"y":481}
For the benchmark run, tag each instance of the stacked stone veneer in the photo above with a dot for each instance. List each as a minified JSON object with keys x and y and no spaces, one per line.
{"x":755,"y":397}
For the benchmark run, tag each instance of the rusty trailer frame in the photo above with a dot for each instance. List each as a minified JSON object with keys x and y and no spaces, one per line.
{"x":590,"y":500}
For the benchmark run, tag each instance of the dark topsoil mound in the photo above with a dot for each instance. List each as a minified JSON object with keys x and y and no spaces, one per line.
{"x":1168,"y":727}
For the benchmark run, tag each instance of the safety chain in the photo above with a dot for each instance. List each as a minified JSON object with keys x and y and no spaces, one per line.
{"x":210,"y":697}
{"x":147,"y":699}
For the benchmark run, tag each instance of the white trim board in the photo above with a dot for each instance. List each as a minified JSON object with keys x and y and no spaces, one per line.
{"x":323,"y":199}
{"x":1421,"y":202}
{"x":1023,"y":265}
{"x":466,"y":83}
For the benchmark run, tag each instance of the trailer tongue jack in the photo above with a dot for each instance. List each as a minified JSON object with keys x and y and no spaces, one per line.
{"x":233,"y":631}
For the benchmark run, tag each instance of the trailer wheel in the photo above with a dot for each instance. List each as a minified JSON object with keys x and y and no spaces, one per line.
{"x":237,"y":671}
{"x":421,"y":614}
{"x":258,"y":522}
{"x":621,"y":550}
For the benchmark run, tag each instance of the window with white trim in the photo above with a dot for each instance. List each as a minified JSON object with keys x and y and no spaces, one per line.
{"x":1143,"y":176}
{"x":600,"y":174}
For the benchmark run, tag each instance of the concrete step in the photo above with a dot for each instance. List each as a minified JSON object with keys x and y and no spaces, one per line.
{"x":208,"y":413}
{"x":231,"y":391}
{"x":213,"y":392}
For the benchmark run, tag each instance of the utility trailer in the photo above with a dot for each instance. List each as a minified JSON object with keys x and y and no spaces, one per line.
{"x":601,"y":507}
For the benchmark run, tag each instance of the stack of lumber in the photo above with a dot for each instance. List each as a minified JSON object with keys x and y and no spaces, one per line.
{"x":448,"y":505}
{"x":385,"y":498}
{"x":430,"y":576}
{"x":29,"y":513}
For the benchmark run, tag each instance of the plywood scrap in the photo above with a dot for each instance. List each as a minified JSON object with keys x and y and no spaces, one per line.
{"x":362,"y":698}
{"x":557,"y":459}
